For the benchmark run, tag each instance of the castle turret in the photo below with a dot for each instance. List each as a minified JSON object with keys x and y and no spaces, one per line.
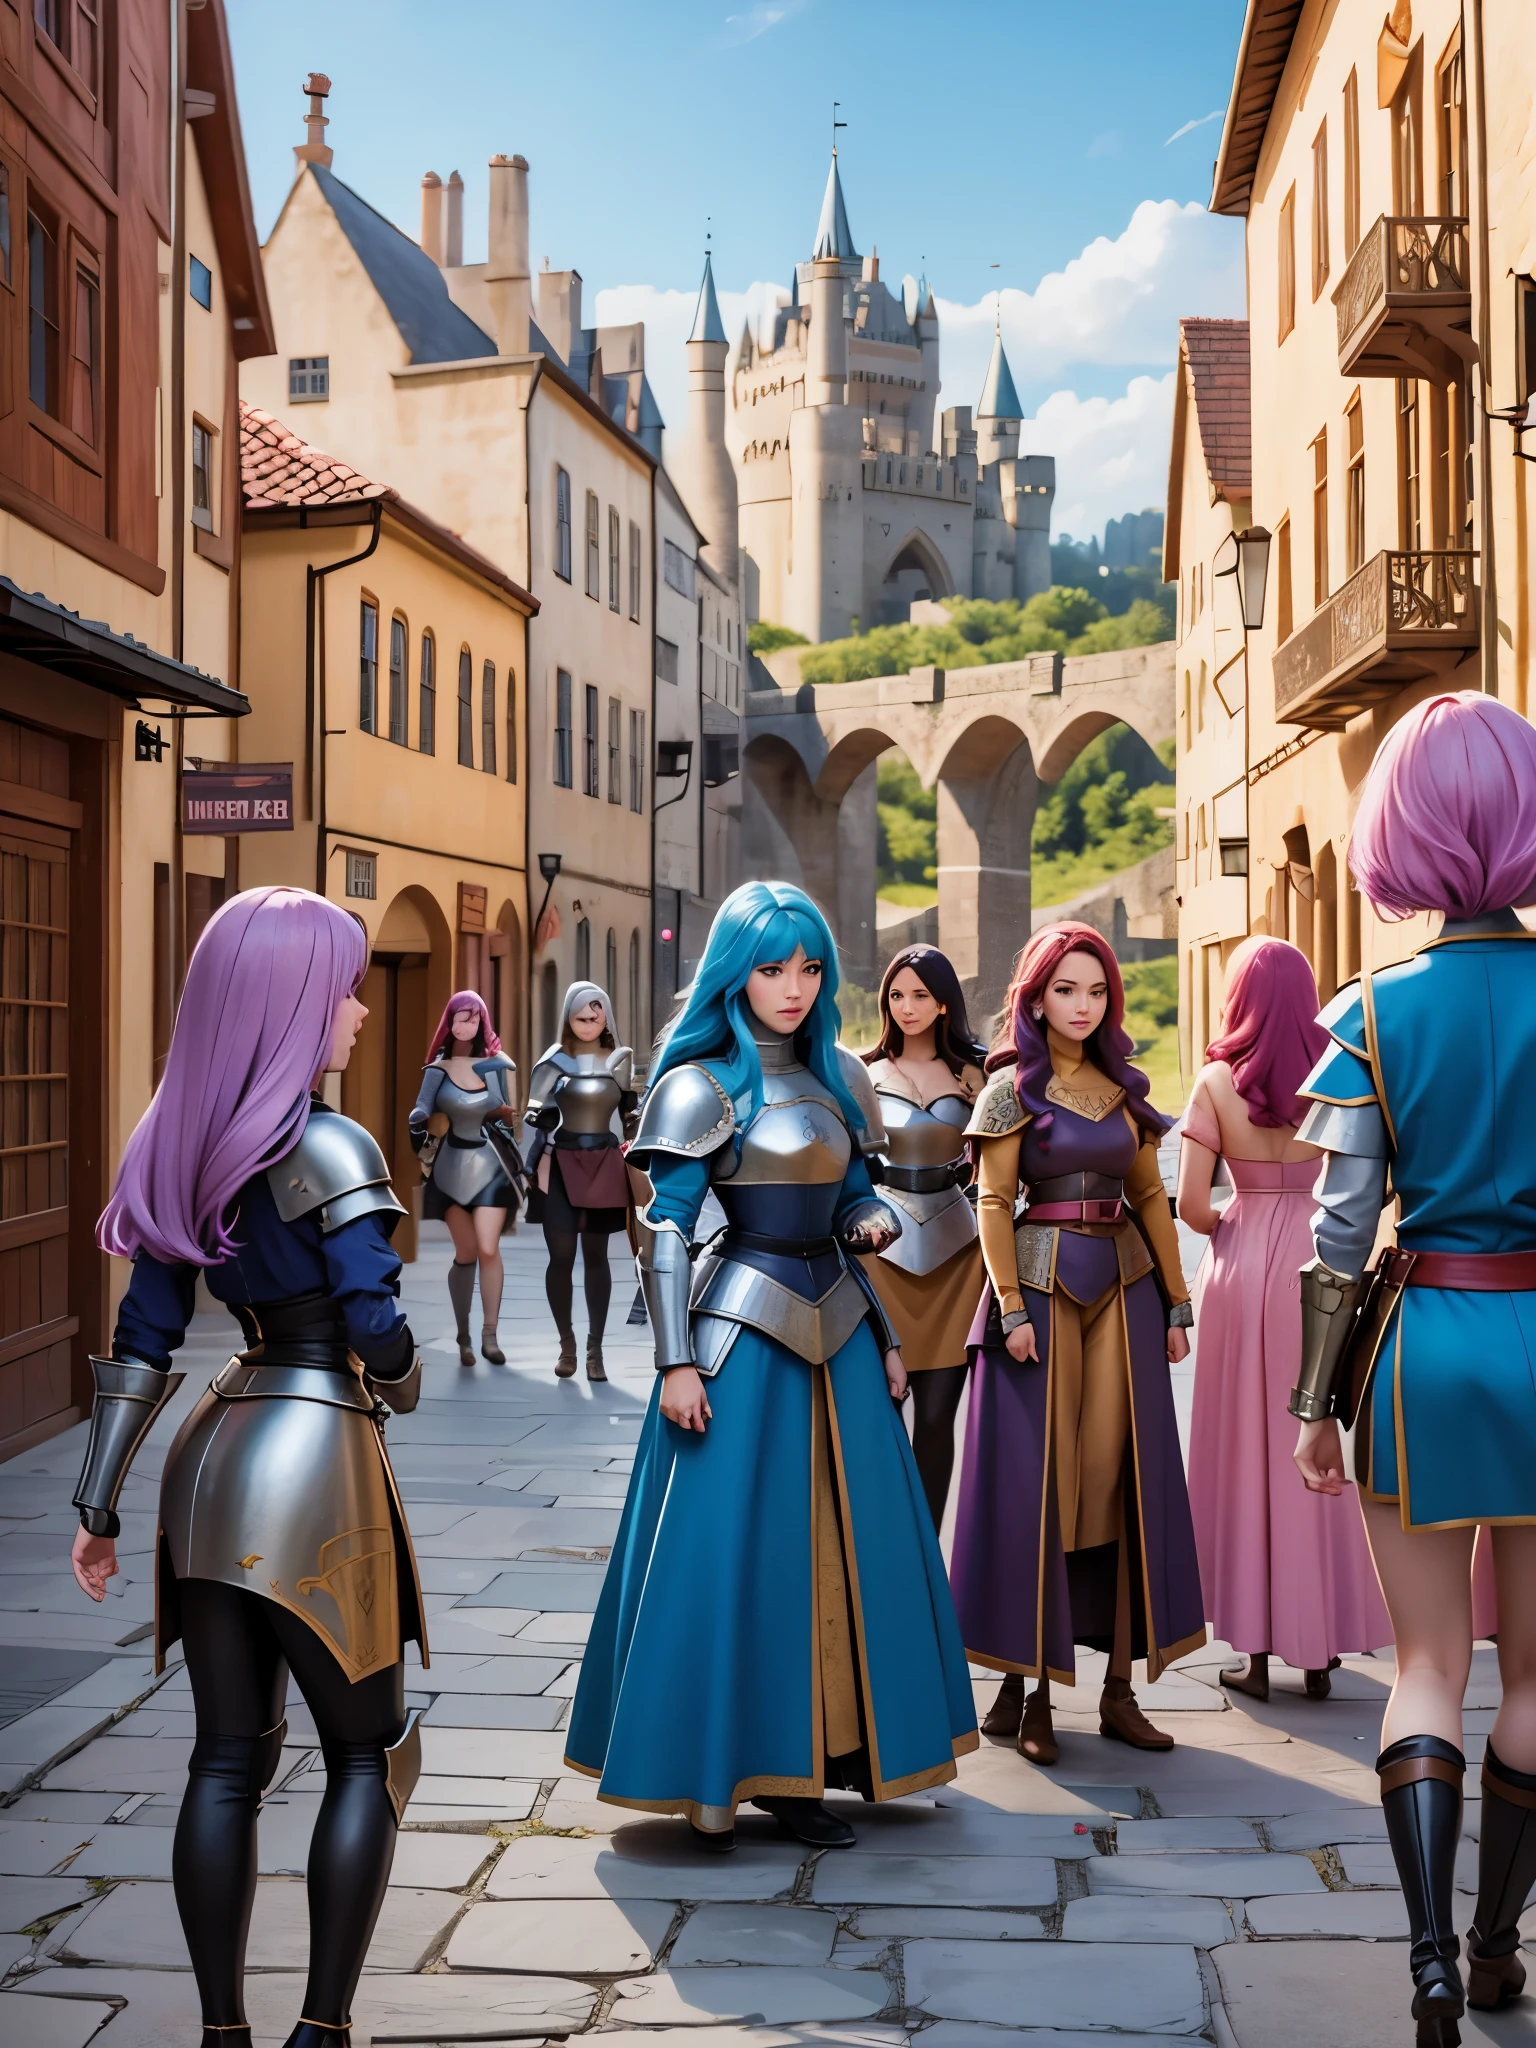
{"x":999,"y":415}
{"x":834,"y":237}
{"x":926,"y":323}
{"x":826,"y":371}
{"x":704,"y":472}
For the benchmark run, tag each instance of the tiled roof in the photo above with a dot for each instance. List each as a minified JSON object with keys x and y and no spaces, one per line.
{"x":1217,"y":354}
{"x":432,"y":327}
{"x":277,"y":468}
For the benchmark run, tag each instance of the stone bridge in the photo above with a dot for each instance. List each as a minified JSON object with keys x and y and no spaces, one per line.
{"x":986,"y":737}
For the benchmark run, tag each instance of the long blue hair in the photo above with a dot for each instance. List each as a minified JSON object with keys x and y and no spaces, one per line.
{"x":759,"y":922}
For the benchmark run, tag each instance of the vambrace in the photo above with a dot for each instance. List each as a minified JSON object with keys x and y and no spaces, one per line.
{"x":666,"y":1277}
{"x":129,"y":1395}
{"x":857,"y":1220}
{"x":1327,"y":1317}
{"x":399,"y":1389}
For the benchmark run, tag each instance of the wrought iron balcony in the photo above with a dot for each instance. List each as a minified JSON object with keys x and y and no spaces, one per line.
{"x":1404,"y":616}
{"x":1404,"y":305}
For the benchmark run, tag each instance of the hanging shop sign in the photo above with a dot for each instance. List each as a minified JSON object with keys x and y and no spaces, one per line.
{"x":225,"y":797}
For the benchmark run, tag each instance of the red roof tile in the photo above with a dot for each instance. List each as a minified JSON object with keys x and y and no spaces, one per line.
{"x":1217,"y":354}
{"x":277,"y":468}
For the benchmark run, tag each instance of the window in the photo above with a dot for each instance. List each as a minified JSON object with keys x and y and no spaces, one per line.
{"x":309,"y":379}
{"x":562,"y":526}
{"x":1351,"y":165}
{"x":666,"y":660}
{"x":594,"y":566}
{"x":71,"y":27}
{"x":1288,"y":263}
{"x":1410,"y":503}
{"x":42,"y":315}
{"x":634,"y":984}
{"x":1451,"y":97}
{"x":615,"y":771}
{"x":363,"y":875}
{"x":202,"y":476}
{"x":368,"y":669}
{"x":398,"y":681}
{"x":426,"y":735}
{"x":637,"y":760}
{"x":677,"y":569}
{"x":583,"y":949}
{"x":200,"y":282}
{"x":613,"y":558}
{"x":1320,"y":518}
{"x":511,"y":725}
{"x":634,"y":570}
{"x":488,"y":717}
{"x":5,"y":225}
{"x":1285,"y":614}
{"x":564,"y":764}
{"x":466,"y":710}
{"x":611,"y":963}
{"x":1320,"y":210}
{"x":589,"y":779}
{"x":1407,"y":141}
{"x":1354,"y":489}
{"x":85,"y":356}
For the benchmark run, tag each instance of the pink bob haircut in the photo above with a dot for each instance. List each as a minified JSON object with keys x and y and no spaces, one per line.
{"x":1447,"y":820}
{"x":486,"y":1045}
{"x":1270,"y":1036}
{"x":253,"y":1030}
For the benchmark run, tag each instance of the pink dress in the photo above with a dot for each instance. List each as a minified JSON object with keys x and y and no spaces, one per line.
{"x":1285,"y":1571}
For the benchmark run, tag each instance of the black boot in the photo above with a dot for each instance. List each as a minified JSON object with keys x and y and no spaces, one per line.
{"x":807,"y":1820}
{"x":1421,"y":1781}
{"x":1506,"y":1871}
{"x":461,"y":1292}
{"x":1007,"y":1710}
{"x":313,"y":2034}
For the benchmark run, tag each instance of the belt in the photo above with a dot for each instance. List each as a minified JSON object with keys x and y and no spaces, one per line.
{"x":1464,"y":1272}
{"x":781,"y":1247}
{"x":1075,"y":1212}
{"x":922,"y":1180}
{"x":1078,"y":1187}
{"x":585,"y":1141}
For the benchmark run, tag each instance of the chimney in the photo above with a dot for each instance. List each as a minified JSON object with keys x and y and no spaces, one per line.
{"x":453,"y":222}
{"x":313,"y":149}
{"x":432,"y":217}
{"x":560,"y":310}
{"x":506,"y":270}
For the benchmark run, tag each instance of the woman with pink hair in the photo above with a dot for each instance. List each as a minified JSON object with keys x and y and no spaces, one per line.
{"x":1285,"y":1573}
{"x":1430,"y":1079}
{"x":282,"y":1545}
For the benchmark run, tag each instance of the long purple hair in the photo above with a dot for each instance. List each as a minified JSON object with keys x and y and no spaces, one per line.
{"x":252,"y":1031}
{"x":1447,"y":820}
{"x":1109,"y":1047}
{"x":486,"y":1044}
{"x":1270,"y":1036}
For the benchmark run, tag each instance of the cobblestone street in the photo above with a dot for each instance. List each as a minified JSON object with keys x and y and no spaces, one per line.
{"x":1236,"y":1889}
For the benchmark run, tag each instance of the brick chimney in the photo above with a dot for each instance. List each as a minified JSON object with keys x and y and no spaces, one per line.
{"x":453,"y":222}
{"x":313,"y":149}
{"x":432,"y":217}
{"x":506,"y":271}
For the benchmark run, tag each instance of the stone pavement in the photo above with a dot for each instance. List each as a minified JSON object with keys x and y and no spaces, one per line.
{"x":1236,"y":1890}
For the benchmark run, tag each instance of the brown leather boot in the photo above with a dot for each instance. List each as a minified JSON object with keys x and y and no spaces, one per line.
{"x":1007,"y":1708}
{"x":1037,"y":1731}
{"x":565,"y":1364}
{"x":595,"y":1359}
{"x":1123,"y":1721}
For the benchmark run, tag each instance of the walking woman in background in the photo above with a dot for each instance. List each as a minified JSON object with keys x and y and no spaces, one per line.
{"x":775,"y":1619}
{"x":1285,"y":1572}
{"x":1073,"y":1521}
{"x":472,"y":1165}
{"x":282,"y":1542}
{"x":1431,"y":1079}
{"x":927,"y":1071}
{"x":580,"y":1099}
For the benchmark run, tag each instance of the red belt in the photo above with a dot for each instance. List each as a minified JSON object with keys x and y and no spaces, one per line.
{"x":1079,"y":1212}
{"x":1467,"y":1272}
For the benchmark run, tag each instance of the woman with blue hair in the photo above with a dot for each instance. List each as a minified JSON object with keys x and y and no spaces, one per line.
{"x":776,"y":1620}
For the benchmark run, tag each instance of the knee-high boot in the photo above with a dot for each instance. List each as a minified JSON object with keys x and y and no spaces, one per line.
{"x":213,"y":1866}
{"x":1506,"y":1871}
{"x":350,"y":1855}
{"x":1421,"y":1780}
{"x":461,"y":1292}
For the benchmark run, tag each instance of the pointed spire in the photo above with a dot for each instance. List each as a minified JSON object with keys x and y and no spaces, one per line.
{"x":834,"y":237}
{"x":707,"y":324}
{"x":999,"y":399}
{"x":744,"y":346}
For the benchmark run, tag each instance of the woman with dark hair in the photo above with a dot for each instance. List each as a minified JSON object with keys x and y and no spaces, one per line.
{"x":580,"y":1101}
{"x":472,"y":1165}
{"x":1073,"y":1521}
{"x":1430,"y":1080}
{"x":927,"y":1071}
{"x":1285,"y":1572}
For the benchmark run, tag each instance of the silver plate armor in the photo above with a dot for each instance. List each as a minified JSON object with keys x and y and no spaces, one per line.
{"x":336,"y":1171}
{"x":464,"y":1164}
{"x":856,"y":1079}
{"x":129,"y":1395}
{"x":936,"y":1223}
{"x":585,"y":1087}
{"x":686,"y":1113}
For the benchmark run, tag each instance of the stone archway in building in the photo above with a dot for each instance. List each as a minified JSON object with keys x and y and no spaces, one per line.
{"x":917,"y":570}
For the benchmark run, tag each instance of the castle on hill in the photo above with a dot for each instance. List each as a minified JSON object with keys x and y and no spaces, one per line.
{"x":854,"y":501}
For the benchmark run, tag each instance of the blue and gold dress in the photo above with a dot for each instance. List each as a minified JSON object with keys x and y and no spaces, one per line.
{"x":776,"y":1618}
{"x":1431,"y":1077}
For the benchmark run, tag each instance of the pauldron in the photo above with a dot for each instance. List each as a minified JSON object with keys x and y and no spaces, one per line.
{"x":336,"y":1172}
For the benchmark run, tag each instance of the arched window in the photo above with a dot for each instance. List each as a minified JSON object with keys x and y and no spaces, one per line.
{"x":583,"y":949}
{"x":426,"y":723}
{"x":636,"y":1032}
{"x":611,"y":962}
{"x":488,"y":718}
{"x":466,"y":710}
{"x":398,"y":679}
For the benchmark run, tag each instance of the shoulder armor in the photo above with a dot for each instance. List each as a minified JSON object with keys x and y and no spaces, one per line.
{"x":998,"y":1112}
{"x":337,"y":1170}
{"x":686,"y":1113}
{"x":1342,"y":1077}
{"x":856,"y":1078}
{"x":621,"y":1064}
{"x":498,"y":1062}
{"x":544,"y":1079}
{"x":1343,"y":1018}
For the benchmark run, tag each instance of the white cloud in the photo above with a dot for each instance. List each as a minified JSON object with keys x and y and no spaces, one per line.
{"x":1111,"y":453}
{"x":1190,"y":127}
{"x":756,"y":21}
{"x":668,"y":317}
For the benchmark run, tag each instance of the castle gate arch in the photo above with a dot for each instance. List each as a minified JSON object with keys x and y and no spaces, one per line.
{"x":917,"y":570}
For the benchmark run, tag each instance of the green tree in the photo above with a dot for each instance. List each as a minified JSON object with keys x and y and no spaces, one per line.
{"x":764,"y":637}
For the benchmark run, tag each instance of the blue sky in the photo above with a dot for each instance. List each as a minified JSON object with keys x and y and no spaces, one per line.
{"x":1041,"y":138}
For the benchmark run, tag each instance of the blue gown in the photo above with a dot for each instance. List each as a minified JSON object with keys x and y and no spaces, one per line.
{"x":703,"y":1681}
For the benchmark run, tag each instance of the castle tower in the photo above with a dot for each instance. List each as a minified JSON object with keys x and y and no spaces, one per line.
{"x":826,"y":381}
{"x":999,"y":415}
{"x":1012,"y":537}
{"x":926,"y":321}
{"x":704,"y":471}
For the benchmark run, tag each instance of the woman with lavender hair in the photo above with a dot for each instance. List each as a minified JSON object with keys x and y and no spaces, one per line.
{"x":283,"y":1546}
{"x":1285,"y":1572}
{"x":1430,"y":1077}
{"x":1073,"y":1520}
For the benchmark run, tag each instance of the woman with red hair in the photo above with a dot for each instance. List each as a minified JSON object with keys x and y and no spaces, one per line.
{"x":1285,"y":1572}
{"x":1073,"y":1522}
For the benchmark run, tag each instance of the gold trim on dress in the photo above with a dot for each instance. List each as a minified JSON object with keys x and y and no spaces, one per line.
{"x":1373,"y":1051}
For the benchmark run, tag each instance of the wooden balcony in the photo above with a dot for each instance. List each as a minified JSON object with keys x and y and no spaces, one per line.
{"x":1404,"y":305}
{"x":1404,"y":616}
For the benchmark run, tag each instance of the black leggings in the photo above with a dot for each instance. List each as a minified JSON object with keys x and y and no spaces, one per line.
{"x":240,"y":1649}
{"x":935,"y":1398}
{"x":596,"y":1278}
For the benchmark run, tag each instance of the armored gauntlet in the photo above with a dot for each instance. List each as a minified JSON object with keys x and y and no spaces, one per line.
{"x":1327,"y":1317}
{"x":129,"y":1395}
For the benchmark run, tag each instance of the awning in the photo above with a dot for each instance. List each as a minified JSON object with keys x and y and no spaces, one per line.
{"x":36,"y":629}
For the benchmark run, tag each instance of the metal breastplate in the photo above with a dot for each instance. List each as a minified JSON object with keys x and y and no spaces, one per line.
{"x":588,"y":1099}
{"x":465,"y":1109}
{"x":924,"y":1148}
{"x":919,"y":1139}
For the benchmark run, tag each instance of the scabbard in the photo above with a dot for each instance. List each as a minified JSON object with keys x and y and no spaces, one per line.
{"x":1389,"y":1276}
